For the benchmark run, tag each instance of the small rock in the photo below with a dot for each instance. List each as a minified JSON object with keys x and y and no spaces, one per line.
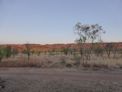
{"x":1,"y":86}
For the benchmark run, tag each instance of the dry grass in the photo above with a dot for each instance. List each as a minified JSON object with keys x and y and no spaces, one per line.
{"x":47,"y":61}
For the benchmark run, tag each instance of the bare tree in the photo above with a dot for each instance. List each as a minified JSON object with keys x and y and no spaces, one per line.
{"x":108,"y":49}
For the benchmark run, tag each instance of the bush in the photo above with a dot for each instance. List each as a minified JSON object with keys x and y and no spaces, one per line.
{"x":68,"y":65}
{"x":77,"y":60}
{"x":5,"y":52}
{"x":1,"y":54}
{"x":65,"y":51}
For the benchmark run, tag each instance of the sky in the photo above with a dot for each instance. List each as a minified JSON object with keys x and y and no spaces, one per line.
{"x":52,"y":21}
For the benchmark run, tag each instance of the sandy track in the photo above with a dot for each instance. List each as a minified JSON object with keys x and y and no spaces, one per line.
{"x":59,"y":80}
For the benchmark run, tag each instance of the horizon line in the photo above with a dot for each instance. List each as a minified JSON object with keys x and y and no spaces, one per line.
{"x":54,"y":43}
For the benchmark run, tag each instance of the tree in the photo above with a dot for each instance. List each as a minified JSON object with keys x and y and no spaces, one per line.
{"x":98,"y":50}
{"x":5,"y":52}
{"x":87,"y":33}
{"x":1,"y":54}
{"x":108,"y":49}
{"x":8,"y":51}
{"x":14,"y":51}
{"x":38,"y":53}
{"x":27,"y":50}
{"x":65,"y":50}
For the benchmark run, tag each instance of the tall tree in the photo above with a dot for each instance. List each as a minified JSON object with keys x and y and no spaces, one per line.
{"x":87,"y":33}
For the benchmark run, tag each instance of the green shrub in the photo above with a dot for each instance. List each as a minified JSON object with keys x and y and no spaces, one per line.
{"x":5,"y":52}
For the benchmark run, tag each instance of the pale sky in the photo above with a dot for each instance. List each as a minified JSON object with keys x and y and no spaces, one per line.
{"x":52,"y":21}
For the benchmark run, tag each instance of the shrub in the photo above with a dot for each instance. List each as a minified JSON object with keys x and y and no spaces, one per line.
{"x":1,"y":54}
{"x":8,"y":51}
{"x":65,"y":51}
{"x":5,"y":52}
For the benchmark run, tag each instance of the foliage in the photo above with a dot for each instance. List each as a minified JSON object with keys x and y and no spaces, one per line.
{"x":98,"y":50}
{"x":87,"y":33}
{"x":1,"y":54}
{"x":5,"y":52}
{"x":14,"y":51}
{"x":108,"y":49}
{"x":8,"y":51}
{"x":27,"y":50}
{"x":65,"y":51}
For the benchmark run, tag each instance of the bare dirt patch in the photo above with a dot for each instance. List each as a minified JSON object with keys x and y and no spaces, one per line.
{"x":60,"y":80}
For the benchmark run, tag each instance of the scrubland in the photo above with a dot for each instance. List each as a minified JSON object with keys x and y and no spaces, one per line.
{"x":61,"y":72}
{"x":62,"y":61}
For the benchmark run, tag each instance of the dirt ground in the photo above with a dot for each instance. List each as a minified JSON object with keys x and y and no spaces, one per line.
{"x":59,"y":80}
